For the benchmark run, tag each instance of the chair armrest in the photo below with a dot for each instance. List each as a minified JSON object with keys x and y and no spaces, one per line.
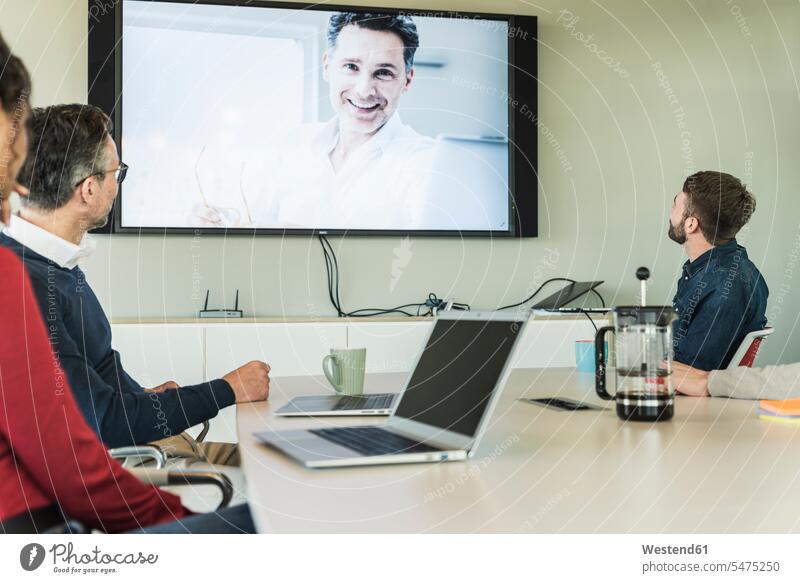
{"x":160,"y":477}
{"x":202,"y":435}
{"x":143,"y":451}
{"x":68,"y":527}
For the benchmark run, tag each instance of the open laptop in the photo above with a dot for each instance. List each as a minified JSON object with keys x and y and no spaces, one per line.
{"x":566,"y":295}
{"x":338,"y":405}
{"x":443,"y":410}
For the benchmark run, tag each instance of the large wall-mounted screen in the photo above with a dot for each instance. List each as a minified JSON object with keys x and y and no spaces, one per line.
{"x":278,"y":119}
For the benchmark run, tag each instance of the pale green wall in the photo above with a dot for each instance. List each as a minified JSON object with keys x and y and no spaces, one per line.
{"x":736,"y":80}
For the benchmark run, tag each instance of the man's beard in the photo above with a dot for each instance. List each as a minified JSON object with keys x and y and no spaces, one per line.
{"x":678,"y":237}
{"x":100,"y":223}
{"x":103,"y":220}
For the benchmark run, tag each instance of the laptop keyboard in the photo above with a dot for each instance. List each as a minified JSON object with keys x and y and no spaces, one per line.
{"x":377,"y":401}
{"x":371,"y":441}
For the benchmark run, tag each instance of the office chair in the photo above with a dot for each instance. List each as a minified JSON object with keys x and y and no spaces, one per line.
{"x":189,"y":477}
{"x":151,"y":456}
{"x":51,"y":522}
{"x":134,"y":455}
{"x":748,"y":350}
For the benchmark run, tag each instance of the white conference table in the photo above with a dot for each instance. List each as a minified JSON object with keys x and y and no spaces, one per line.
{"x":714,"y":468}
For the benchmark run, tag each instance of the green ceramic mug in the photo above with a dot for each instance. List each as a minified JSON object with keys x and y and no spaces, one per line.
{"x":344,"y":369}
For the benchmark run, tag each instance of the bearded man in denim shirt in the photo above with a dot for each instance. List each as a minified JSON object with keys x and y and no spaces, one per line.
{"x":721,"y":295}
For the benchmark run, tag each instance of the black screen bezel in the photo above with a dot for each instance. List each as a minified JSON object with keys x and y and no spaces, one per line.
{"x":105,"y":91}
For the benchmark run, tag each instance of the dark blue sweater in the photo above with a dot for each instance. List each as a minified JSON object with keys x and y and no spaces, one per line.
{"x":113,"y":403}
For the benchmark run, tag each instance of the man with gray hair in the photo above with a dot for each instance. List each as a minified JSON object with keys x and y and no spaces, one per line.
{"x":73,"y":174}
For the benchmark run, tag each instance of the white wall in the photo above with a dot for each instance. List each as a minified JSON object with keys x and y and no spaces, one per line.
{"x":610,"y":160}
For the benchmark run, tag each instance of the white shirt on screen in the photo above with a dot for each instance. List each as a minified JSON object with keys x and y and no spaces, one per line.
{"x":381,"y":185}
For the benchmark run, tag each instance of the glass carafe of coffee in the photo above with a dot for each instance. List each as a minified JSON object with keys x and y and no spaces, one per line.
{"x":643,"y":346}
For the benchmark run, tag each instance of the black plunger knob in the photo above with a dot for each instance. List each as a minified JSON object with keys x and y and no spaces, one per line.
{"x":643,"y":274}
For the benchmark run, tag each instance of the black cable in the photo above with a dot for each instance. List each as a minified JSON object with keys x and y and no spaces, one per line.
{"x":602,"y":301}
{"x":329,"y":268}
{"x":333,"y":280}
{"x":585,"y":313}
{"x":332,"y":273}
{"x":377,"y":311}
{"x":328,"y":275}
{"x":432,"y":303}
{"x":336,"y":263}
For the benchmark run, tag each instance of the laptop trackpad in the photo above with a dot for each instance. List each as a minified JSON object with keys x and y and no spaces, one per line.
{"x":311,"y":403}
{"x":305,"y":446}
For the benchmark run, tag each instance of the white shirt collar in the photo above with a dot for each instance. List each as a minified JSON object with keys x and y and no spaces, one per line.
{"x":50,"y":246}
{"x":328,"y":136}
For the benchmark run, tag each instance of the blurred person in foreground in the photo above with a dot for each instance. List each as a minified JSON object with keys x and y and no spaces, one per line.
{"x":52,"y":466}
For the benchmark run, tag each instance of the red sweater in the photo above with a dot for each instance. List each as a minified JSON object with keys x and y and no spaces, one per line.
{"x":48,"y":454}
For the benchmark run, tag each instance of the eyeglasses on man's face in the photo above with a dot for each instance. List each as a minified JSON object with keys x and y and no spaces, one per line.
{"x":119,"y":174}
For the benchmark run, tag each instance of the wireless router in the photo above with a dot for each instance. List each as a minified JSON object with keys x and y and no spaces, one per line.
{"x":222,"y":313}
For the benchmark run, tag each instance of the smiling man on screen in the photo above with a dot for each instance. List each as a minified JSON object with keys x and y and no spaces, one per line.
{"x":364,"y":168}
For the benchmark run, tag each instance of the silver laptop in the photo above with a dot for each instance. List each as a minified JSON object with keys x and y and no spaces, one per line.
{"x":443,"y":410}
{"x":338,"y":405}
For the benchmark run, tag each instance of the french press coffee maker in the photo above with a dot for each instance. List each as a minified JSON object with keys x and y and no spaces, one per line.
{"x":643,"y":346}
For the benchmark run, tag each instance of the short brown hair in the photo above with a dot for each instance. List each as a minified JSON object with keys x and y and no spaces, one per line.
{"x":67,"y":145}
{"x":720,"y":203}
{"x":15,"y":83}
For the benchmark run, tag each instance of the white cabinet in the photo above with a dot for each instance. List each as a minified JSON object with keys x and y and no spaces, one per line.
{"x":290,"y":349}
{"x":190,"y":353}
{"x":549,"y":343}
{"x":392,"y":346}
{"x":154,"y":354}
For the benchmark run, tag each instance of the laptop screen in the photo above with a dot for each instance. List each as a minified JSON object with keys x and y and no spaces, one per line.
{"x":457,"y":372}
{"x":566,"y":295}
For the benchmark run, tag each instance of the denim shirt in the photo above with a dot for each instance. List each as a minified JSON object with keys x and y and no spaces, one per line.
{"x":721,"y":298}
